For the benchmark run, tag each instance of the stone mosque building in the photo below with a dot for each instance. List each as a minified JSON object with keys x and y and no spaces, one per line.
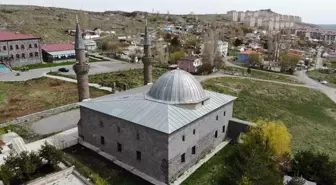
{"x":160,"y":129}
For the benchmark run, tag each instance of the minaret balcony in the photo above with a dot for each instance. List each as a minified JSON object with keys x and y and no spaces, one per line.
{"x":80,"y":68}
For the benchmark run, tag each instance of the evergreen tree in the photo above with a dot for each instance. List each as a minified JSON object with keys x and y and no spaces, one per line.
{"x":51,"y":154}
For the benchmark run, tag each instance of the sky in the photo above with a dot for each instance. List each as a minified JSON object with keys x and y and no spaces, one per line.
{"x":311,"y":11}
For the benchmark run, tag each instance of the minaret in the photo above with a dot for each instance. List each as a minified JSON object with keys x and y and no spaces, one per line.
{"x":147,"y":59}
{"x":81,"y":67}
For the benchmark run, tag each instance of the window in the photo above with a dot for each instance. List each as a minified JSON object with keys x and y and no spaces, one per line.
{"x":36,"y":54}
{"x":202,"y":102}
{"x":223,"y":128}
{"x":101,"y":123}
{"x":182,"y":158}
{"x":81,"y":136}
{"x":119,"y":147}
{"x":224,"y":113}
{"x":11,"y":47}
{"x":183,"y":138}
{"x":4,"y":48}
{"x":17,"y":56}
{"x":16,"y":46}
{"x":194,"y":131}
{"x":31,"y":55}
{"x":11,"y":56}
{"x":217,"y":118}
{"x":30,"y":46}
{"x":23,"y":55}
{"x":102,"y":140}
{"x":118,"y":128}
{"x":138,"y":136}
{"x":35,"y":45}
{"x":193,"y":150}
{"x":22,"y":46}
{"x":138,"y":155}
{"x":216,"y":134}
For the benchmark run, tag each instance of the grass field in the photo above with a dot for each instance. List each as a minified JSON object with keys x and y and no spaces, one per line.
{"x":265,"y":75}
{"x":46,"y":65}
{"x":93,"y":166}
{"x":330,"y":78}
{"x":23,"y":98}
{"x":309,"y":114}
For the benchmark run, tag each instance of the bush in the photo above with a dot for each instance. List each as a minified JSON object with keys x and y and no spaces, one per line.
{"x":176,"y":56}
{"x":204,"y":69}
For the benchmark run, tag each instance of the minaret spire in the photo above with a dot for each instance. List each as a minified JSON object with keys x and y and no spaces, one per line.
{"x":147,"y":59}
{"x":81,"y":67}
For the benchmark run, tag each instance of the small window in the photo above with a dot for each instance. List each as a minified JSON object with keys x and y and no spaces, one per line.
{"x":22,"y":46}
{"x":216,"y":134}
{"x":223,"y":128}
{"x":30,"y":46}
{"x":16,"y":46}
{"x":183,"y":138}
{"x":36,"y":54}
{"x":224,"y":113}
{"x":119,"y":147}
{"x":138,"y":136}
{"x":118,"y":128}
{"x":23,"y":55}
{"x":101,"y":123}
{"x":31,"y":55}
{"x":17,"y":56}
{"x":4,"y":48}
{"x":193,"y":150}
{"x":182,"y":158}
{"x":102,"y":140}
{"x":194,"y":131}
{"x":217,"y":118}
{"x":138,"y":155}
{"x":11,"y":56}
{"x":202,"y":102}
{"x":11,"y":47}
{"x":35,"y":45}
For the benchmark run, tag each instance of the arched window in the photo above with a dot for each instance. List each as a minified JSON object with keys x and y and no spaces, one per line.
{"x":22,"y":46}
{"x":17,"y":47}
{"x":35,"y":45}
{"x":31,"y":55}
{"x":36,"y":54}
{"x":11,"y":56}
{"x":17,"y":56}
{"x":23,"y":55}
{"x":11,"y":47}
{"x":30,"y":46}
{"x":4,"y":48}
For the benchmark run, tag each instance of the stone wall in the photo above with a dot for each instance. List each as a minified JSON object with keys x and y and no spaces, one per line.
{"x":40,"y":115}
{"x":204,"y":140}
{"x":26,"y":48}
{"x":236,"y":127}
{"x":152,"y":144}
{"x":52,"y":177}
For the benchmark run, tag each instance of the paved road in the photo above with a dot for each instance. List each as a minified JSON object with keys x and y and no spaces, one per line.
{"x":96,"y":68}
{"x":56,"y":123}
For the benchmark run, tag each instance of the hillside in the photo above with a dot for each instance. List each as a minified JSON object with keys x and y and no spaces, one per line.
{"x":51,"y":23}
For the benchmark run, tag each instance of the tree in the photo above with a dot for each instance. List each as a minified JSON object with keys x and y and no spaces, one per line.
{"x":315,"y":167}
{"x":254,"y":59}
{"x":209,"y":49}
{"x":30,"y":163}
{"x":51,"y":154}
{"x":176,"y":56}
{"x":277,"y":136}
{"x":6,"y":174}
{"x":238,"y":42}
{"x":288,"y":61}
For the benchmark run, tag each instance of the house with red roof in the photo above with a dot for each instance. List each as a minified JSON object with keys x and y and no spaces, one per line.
{"x":17,"y":49}
{"x":58,"y":52}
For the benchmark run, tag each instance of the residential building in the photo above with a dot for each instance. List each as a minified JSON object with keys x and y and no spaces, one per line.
{"x":223,"y":48}
{"x":19,"y":49}
{"x":250,"y":21}
{"x":58,"y":52}
{"x":161,"y":129}
{"x":190,"y":63}
{"x":233,"y":15}
{"x":90,"y":45}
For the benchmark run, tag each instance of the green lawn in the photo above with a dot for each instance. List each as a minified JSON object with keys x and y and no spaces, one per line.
{"x":93,"y":166}
{"x":330,"y":78}
{"x":309,"y":114}
{"x":46,"y":65}
{"x":265,"y":75}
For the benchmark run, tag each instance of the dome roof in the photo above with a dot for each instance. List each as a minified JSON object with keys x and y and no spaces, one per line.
{"x":177,"y":87}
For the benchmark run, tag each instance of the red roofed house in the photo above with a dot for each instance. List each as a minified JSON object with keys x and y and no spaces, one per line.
{"x":58,"y":52}
{"x":18,"y":49}
{"x":190,"y":63}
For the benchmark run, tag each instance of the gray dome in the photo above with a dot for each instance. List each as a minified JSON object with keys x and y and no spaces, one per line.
{"x":177,"y":87}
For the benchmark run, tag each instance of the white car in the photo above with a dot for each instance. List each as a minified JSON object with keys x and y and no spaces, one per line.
{"x":324,"y":82}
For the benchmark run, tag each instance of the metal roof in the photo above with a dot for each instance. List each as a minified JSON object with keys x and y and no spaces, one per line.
{"x":177,"y":87}
{"x":133,"y":106}
{"x":6,"y":36}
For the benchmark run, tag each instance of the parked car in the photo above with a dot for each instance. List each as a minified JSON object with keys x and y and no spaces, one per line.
{"x":324,"y":82}
{"x":64,"y":70}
